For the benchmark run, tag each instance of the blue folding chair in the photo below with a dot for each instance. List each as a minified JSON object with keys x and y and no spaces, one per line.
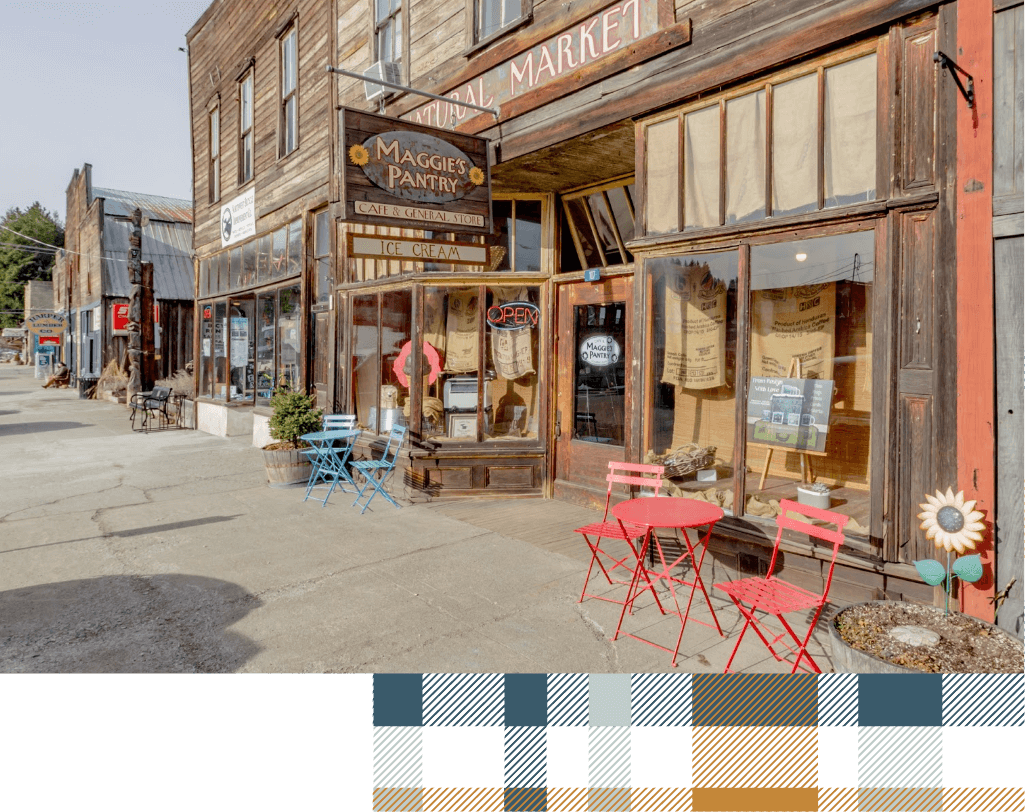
{"x":375,"y":472}
{"x":328,"y":465}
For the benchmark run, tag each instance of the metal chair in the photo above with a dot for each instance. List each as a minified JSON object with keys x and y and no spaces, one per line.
{"x":620,"y":473}
{"x":328,"y":466}
{"x":152,"y":405}
{"x":375,"y":472}
{"x":774,"y":596}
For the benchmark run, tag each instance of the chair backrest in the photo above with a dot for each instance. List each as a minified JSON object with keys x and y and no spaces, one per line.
{"x":391,"y":451}
{"x":334,"y":422}
{"x":160,"y":393}
{"x":834,"y":537}
{"x":630,"y":473}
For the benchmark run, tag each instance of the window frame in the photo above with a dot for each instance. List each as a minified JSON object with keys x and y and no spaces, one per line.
{"x":214,"y":153}
{"x":878,"y":302}
{"x":474,"y":39}
{"x":624,"y":182}
{"x":875,"y":46}
{"x":398,"y":55}
{"x":246,"y":134}
{"x":284,"y":97}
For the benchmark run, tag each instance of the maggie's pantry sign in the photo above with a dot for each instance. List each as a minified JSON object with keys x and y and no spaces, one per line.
{"x":407,"y":175}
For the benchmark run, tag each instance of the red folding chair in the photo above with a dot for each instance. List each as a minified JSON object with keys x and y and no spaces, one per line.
{"x":620,"y":473}
{"x":774,"y":596}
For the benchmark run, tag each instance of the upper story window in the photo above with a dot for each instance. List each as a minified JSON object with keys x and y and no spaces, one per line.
{"x":288,"y":123}
{"x":597,"y":223}
{"x":794,"y":144}
{"x":245,"y":129}
{"x":215,"y":154}
{"x":388,"y":30}
{"x":491,"y":16}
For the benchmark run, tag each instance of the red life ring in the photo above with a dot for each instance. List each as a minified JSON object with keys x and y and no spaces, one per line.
{"x":432,"y":358}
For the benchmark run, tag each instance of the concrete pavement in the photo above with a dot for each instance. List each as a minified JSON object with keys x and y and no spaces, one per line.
{"x":167,"y":552}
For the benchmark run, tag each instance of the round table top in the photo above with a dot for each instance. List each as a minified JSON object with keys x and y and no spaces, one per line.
{"x":667,"y":511}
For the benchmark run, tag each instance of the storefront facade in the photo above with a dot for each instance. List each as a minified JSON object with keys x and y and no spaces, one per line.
{"x":733,"y":239}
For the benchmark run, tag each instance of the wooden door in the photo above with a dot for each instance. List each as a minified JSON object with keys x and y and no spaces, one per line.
{"x":593,"y":397}
{"x":322,"y":367}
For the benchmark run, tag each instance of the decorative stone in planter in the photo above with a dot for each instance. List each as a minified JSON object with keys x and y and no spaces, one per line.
{"x":286,"y":467}
{"x":861,"y":641}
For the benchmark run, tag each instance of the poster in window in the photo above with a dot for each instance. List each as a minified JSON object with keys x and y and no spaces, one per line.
{"x":788,"y":323}
{"x":239,"y":341}
{"x":695,"y":313}
{"x":462,"y":340}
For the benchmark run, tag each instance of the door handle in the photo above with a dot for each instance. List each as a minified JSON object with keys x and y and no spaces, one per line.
{"x":558,"y":424}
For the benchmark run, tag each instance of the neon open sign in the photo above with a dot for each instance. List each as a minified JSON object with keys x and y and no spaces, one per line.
{"x":513,"y":315}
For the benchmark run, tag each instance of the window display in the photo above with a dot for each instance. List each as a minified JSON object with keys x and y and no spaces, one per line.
{"x":693,"y":418}
{"x":810,"y":381}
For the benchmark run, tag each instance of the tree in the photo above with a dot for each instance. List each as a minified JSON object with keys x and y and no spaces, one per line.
{"x":21,"y":259}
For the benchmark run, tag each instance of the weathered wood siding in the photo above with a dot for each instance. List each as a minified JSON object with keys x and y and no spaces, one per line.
{"x":229,"y":37}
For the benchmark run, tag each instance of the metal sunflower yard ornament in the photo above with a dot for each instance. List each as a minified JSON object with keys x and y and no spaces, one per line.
{"x":954,"y":525}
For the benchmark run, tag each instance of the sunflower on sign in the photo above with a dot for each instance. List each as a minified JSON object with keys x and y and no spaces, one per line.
{"x":476,"y":176}
{"x":358,"y":155}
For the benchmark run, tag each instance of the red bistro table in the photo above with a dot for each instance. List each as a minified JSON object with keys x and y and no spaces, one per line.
{"x":651,"y":512}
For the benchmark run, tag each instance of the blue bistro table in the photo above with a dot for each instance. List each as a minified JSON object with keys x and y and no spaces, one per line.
{"x":329,"y":460}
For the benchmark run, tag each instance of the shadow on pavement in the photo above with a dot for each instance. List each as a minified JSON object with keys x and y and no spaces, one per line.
{"x":126,"y":624}
{"x":151,"y":529}
{"x":35,"y":428}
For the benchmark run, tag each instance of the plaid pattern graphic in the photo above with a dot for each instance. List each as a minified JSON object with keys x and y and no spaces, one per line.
{"x":696,"y":743}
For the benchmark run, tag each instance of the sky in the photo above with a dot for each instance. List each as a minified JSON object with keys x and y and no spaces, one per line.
{"x":97,"y":83}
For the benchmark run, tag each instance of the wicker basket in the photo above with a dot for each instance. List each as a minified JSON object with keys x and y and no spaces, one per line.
{"x":687,"y":459}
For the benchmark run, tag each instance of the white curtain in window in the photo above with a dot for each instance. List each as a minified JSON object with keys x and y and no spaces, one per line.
{"x":662,"y":177}
{"x":745,"y":158}
{"x":794,"y":140}
{"x":850,"y":136}
{"x":701,"y":168}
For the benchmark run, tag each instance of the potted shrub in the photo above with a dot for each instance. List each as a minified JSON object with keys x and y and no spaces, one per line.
{"x":294,"y":415}
{"x":891,"y":637}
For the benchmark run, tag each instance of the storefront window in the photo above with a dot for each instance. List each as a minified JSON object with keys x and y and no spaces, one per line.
{"x":279,"y":255}
{"x":248,"y":264}
{"x":393,"y":408}
{"x":289,"y":338}
{"x":511,"y":358}
{"x":809,"y":402}
{"x":243,"y":343}
{"x":322,"y":257}
{"x":220,"y":358}
{"x":236,"y":268}
{"x":365,"y":359}
{"x":694,"y":341}
{"x":850,"y":119}
{"x":263,"y":267}
{"x":701,"y":168}
{"x":265,"y":377}
{"x":295,"y":247}
{"x":206,"y":350}
{"x":745,"y":158}
{"x":204,"y":279}
{"x":795,"y":129}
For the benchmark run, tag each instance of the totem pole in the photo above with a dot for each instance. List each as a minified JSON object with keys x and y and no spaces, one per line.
{"x":138,"y":312}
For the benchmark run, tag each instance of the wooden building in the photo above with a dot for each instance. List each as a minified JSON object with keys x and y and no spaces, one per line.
{"x":772,"y":233}
{"x":90,"y":277}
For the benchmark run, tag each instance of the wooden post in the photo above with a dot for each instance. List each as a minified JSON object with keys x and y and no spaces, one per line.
{"x":976,"y":339}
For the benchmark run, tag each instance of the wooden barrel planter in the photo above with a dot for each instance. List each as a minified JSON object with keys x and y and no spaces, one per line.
{"x":286,"y":468}
{"x":849,"y":660}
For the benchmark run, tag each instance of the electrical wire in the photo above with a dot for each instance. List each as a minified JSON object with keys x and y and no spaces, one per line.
{"x":59,"y":248}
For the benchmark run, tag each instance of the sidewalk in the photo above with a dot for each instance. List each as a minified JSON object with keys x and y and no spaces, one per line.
{"x":167,"y":552}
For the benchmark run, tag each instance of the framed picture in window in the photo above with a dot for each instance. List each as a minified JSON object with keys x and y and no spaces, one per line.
{"x":462,"y":426}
